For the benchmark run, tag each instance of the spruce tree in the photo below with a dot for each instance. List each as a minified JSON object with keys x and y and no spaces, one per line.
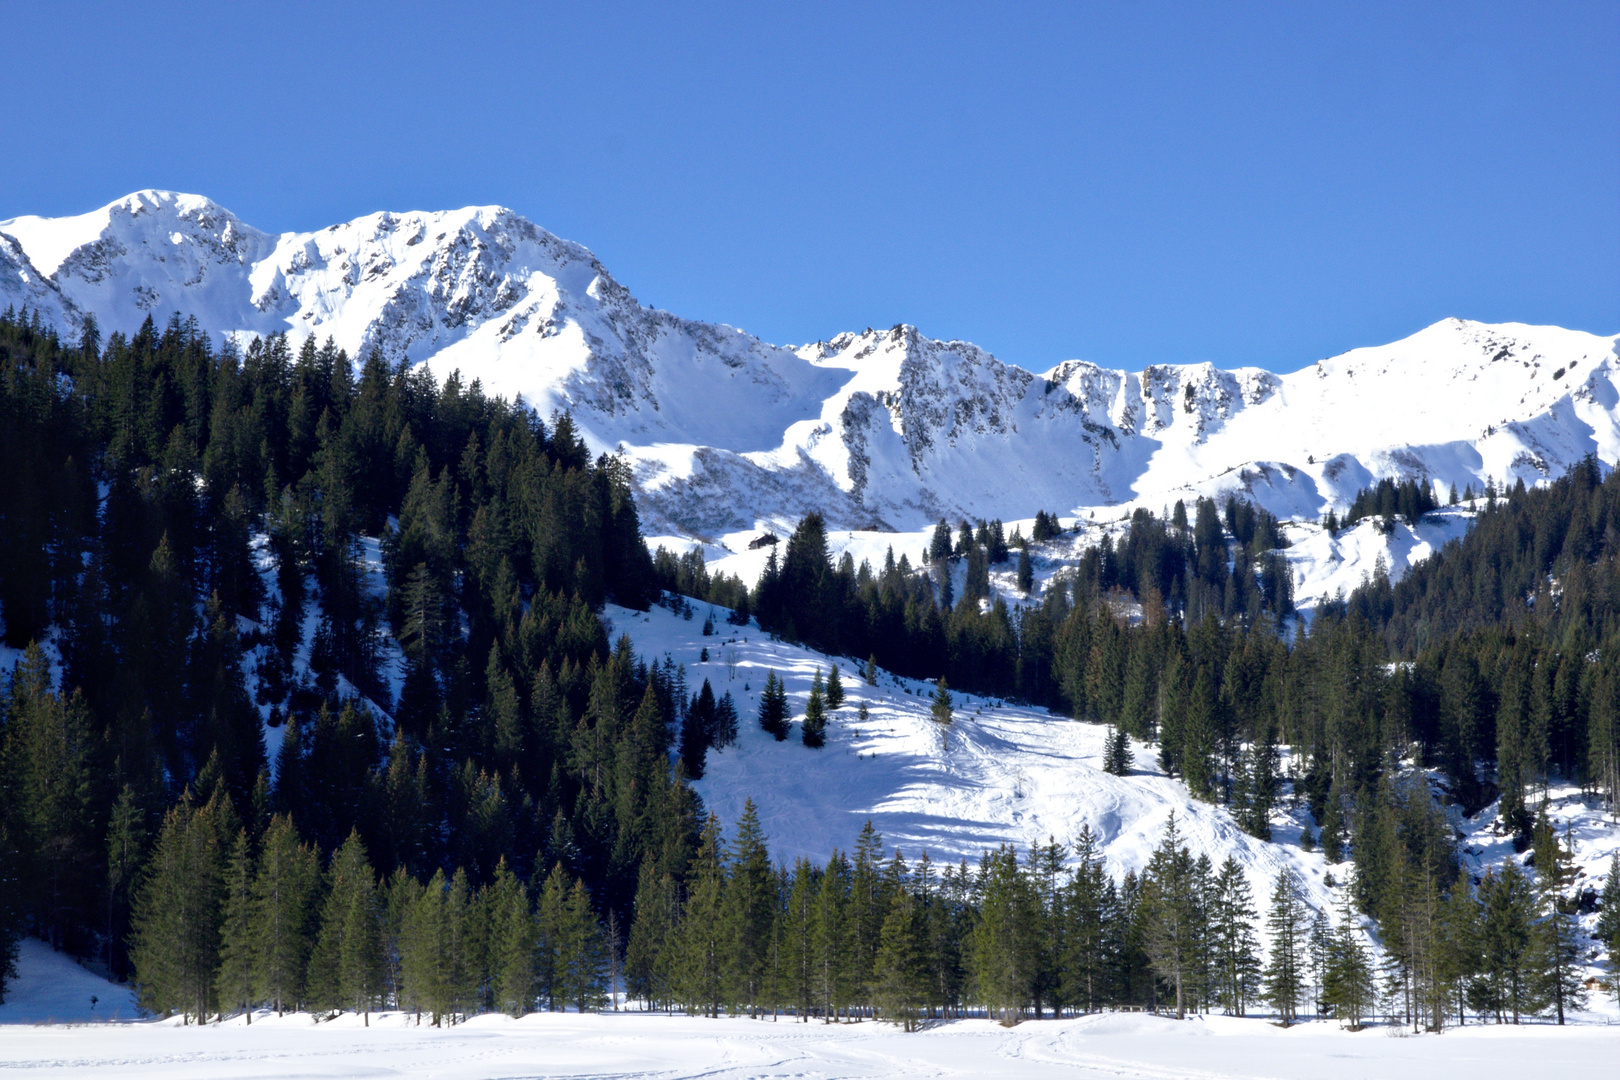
{"x":830,"y":934}
{"x":650,"y":951}
{"x":835,"y":689}
{"x":1234,"y":949}
{"x":1002,"y":949}
{"x":1091,"y":942}
{"x":284,"y":893}
{"x":464,"y":940}
{"x":512,"y":943}
{"x":773,"y":714}
{"x":1509,"y":941}
{"x":797,"y":970}
{"x":815,"y":715}
{"x":940,"y":709}
{"x":701,"y":967}
{"x":126,"y":843}
{"x":1173,"y":931}
{"x":176,"y":916}
{"x":1284,"y":976}
{"x":423,"y":960}
{"x":725,"y":721}
{"x":346,"y":965}
{"x":238,"y":955}
{"x":49,"y":743}
{"x":748,"y":912}
{"x":1318,"y":952}
{"x":1459,"y":946}
{"x":1558,"y":930}
{"x":1117,"y":756}
{"x":10,"y":915}
{"x":696,"y":733}
{"x":899,"y":980}
{"x":1349,"y":988}
{"x":1608,"y":926}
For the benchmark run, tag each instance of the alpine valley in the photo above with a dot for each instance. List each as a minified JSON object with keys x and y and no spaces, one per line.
{"x":403,"y":625}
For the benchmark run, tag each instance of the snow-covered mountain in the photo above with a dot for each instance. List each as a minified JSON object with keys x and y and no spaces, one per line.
{"x":882,"y":429}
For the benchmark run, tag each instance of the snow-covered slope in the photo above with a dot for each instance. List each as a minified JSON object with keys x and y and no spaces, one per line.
{"x":998,"y":774}
{"x":882,"y":429}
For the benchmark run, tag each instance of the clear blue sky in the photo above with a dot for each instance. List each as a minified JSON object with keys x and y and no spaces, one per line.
{"x":1126,"y":182}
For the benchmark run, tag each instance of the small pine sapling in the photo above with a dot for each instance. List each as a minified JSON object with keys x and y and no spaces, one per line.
{"x":835,"y":689}
{"x":940,"y":710}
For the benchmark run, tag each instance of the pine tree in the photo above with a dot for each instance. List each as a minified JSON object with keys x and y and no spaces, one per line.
{"x":1509,"y":941}
{"x":1558,"y":930}
{"x":748,"y":912}
{"x":347,"y":962}
{"x":1234,"y":949}
{"x":773,"y":715}
{"x":1117,"y":756}
{"x":940,"y":708}
{"x":238,"y":956}
{"x":512,"y":943}
{"x":835,"y":689}
{"x":648,"y":956}
{"x":176,"y":915}
{"x":1285,"y":970}
{"x":869,"y":672}
{"x":1026,"y":572}
{"x":1002,"y":950}
{"x":1349,"y":988}
{"x":899,"y":982}
{"x":815,"y":715}
{"x":1171,"y":919}
{"x":700,"y":970}
{"x":1608,"y":927}
{"x":283,"y":915}
{"x":1459,"y":946}
{"x":126,"y":842}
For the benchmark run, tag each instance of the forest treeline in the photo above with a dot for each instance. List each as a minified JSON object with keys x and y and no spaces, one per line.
{"x":139,"y":473}
{"x":231,"y":920}
{"x":1496,"y":663}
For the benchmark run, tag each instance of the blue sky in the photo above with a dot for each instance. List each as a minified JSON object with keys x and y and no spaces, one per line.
{"x":1126,"y":183}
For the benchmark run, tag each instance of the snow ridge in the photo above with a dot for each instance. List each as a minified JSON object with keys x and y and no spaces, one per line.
{"x":878,"y":430}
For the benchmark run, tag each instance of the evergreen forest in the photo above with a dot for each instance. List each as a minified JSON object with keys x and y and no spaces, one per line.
{"x":502,"y":820}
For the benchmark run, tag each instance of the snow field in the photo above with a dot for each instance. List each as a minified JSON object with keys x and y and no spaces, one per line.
{"x":999,"y":774}
{"x":632,"y":1044}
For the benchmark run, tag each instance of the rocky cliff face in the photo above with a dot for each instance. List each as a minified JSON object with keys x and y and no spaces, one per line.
{"x":886,"y":429}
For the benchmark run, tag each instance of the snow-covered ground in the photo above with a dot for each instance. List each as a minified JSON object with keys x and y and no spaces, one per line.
{"x":998,"y":774}
{"x":633,"y":1044}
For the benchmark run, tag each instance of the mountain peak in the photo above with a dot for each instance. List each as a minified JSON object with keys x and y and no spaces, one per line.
{"x":725,"y":432}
